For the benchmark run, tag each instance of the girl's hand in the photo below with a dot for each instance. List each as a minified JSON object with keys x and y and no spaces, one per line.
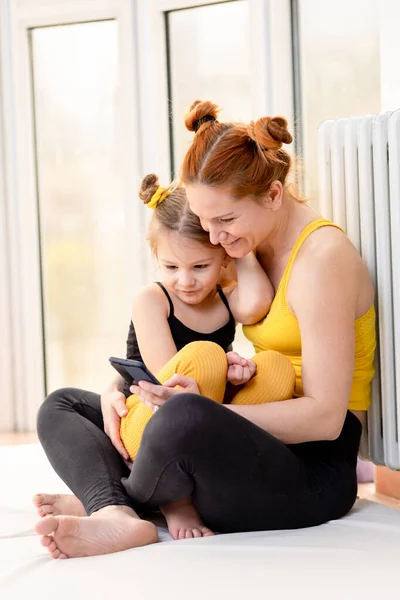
{"x":240,"y":370}
{"x":113,"y":407}
{"x":153,"y":396}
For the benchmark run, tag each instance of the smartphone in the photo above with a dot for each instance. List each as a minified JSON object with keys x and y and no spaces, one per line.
{"x":132,"y":371}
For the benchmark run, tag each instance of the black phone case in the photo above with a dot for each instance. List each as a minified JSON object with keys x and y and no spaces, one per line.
{"x":133,"y":371}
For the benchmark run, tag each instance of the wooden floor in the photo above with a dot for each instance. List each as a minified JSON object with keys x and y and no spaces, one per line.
{"x":365,"y":490}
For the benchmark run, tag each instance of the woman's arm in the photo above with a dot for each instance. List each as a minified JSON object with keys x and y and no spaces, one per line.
{"x":251,"y":297}
{"x":324,"y":287}
{"x":150,"y":318}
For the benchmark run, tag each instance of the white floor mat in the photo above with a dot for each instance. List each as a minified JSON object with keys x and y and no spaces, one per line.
{"x":354,"y":558}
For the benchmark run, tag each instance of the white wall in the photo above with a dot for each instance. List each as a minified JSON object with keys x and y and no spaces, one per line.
{"x":390,"y":53}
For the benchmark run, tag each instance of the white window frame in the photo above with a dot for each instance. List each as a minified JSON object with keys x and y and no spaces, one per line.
{"x":271,"y":69}
{"x":142,"y":47}
{"x":26,"y":375}
{"x":6,"y":342}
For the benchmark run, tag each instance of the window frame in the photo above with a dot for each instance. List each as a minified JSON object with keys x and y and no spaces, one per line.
{"x":26,"y":378}
{"x":142,"y":46}
{"x":271,"y":49}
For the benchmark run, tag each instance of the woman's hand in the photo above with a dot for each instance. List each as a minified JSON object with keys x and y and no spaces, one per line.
{"x":154,"y":396}
{"x":240,"y":370}
{"x":113,"y":407}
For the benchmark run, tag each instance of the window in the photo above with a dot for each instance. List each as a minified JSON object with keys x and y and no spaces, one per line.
{"x":209,"y":59}
{"x":340,"y":68}
{"x":81,"y":211}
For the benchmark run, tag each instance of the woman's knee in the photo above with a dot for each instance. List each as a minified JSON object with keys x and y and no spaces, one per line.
{"x":183,"y":417}
{"x":56,"y":401}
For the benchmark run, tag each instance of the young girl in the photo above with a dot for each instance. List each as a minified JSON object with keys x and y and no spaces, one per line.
{"x":186,"y":324}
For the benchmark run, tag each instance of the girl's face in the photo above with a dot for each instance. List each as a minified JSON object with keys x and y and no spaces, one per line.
{"x":190,"y":269}
{"x":238,"y":225}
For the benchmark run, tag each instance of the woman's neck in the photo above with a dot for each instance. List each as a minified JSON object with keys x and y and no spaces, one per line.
{"x":291,"y":219}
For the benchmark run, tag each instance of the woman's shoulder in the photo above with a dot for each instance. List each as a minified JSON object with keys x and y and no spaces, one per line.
{"x":328,"y":258}
{"x":326,"y":244}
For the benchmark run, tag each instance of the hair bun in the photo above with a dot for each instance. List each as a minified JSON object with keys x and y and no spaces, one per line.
{"x":148,"y":187}
{"x":200,"y":113}
{"x":269,"y":132}
{"x":277,"y":127}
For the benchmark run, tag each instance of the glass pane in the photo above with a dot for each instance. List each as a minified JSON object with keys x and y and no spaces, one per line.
{"x":209,"y":60}
{"x":340,"y":72}
{"x":82,"y":221}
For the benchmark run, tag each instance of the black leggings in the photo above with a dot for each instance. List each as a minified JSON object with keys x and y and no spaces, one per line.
{"x":240,"y":477}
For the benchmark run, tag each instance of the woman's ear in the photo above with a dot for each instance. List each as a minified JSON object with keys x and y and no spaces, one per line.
{"x":274,"y":196}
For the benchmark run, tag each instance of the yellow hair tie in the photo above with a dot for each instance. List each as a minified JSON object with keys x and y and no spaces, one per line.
{"x":159,"y":196}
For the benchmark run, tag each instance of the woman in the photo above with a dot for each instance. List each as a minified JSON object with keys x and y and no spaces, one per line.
{"x":277,"y":465}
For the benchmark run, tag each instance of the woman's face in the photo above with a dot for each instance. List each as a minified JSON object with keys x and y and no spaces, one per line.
{"x":238,"y":225}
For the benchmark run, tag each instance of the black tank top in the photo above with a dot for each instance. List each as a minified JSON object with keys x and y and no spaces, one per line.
{"x":183,"y":335}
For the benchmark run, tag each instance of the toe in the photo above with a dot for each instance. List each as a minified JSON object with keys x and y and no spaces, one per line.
{"x":206,"y":532}
{"x":56,"y":553}
{"x":189,"y":534}
{"x":46,"y":540}
{"x":52,"y":547}
{"x":46,"y":509}
{"x":181,"y":534}
{"x":46,"y":526}
{"x":62,"y":556}
{"x":37,"y":499}
{"x":196,"y":533}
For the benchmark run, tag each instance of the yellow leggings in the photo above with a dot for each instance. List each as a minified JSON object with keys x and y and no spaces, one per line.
{"x":206,"y":363}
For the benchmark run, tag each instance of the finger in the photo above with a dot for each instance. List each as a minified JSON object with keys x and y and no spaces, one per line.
{"x":233,"y":358}
{"x":120,"y":407}
{"x":116,"y":441}
{"x":238,"y":372}
{"x":252,"y":367}
{"x":246,"y":374}
{"x":152,"y":388}
{"x":149,"y":405}
{"x":150,"y":400}
{"x":238,"y":360}
{"x":178,"y":379}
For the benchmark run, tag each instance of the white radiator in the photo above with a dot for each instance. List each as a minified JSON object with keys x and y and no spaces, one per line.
{"x":359,"y":189}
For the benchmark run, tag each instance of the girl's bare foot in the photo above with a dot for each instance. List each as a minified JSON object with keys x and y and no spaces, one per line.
{"x":58,"y":504}
{"x":110,"y":529}
{"x":184,"y":521}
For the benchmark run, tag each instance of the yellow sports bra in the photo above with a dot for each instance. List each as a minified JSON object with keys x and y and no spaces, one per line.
{"x":280,"y":331}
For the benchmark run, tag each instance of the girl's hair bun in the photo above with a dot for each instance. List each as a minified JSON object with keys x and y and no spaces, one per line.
{"x":269,"y":133}
{"x":200,"y":113}
{"x":148,"y":187}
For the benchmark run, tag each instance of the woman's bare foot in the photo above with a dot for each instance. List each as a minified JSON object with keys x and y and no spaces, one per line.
{"x":58,"y":504}
{"x":184,"y":521}
{"x":110,"y":529}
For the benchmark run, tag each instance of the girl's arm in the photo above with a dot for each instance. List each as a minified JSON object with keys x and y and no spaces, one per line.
{"x":150,"y":317}
{"x":251,"y":297}
{"x":325,"y":289}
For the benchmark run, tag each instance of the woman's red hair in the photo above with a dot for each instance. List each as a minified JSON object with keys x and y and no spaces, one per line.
{"x":244,"y":158}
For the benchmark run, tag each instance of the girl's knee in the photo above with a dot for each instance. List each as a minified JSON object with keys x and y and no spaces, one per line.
{"x":270,"y":359}
{"x":204,"y":350}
